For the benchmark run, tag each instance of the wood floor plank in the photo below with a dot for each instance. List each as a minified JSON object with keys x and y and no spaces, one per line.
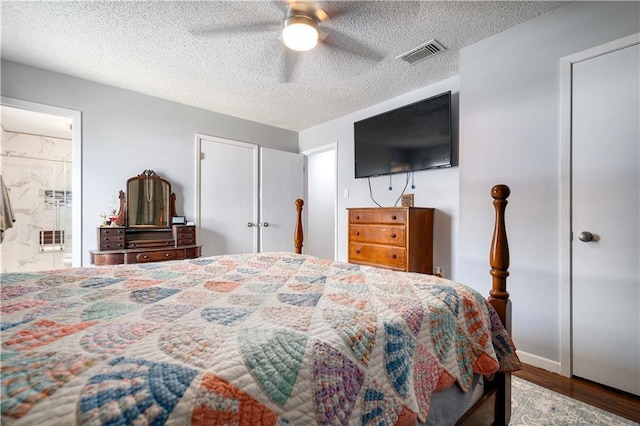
{"x":614,"y":401}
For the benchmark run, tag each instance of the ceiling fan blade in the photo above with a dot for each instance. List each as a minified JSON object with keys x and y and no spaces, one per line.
{"x":290,"y":60}
{"x":338,"y":40}
{"x":253,"y":27}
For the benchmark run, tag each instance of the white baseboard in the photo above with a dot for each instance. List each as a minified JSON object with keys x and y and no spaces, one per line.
{"x":538,"y":361}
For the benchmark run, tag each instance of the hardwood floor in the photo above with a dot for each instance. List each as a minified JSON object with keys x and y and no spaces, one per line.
{"x":620,"y":403}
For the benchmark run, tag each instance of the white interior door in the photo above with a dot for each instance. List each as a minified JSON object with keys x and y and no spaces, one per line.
{"x":281,"y":183}
{"x":606,"y":203}
{"x":320,"y":204}
{"x":228,"y":197}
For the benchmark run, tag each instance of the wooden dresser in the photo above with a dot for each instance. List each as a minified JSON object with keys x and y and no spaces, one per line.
{"x":118,"y":245}
{"x":147,"y":227}
{"x":399,"y":238}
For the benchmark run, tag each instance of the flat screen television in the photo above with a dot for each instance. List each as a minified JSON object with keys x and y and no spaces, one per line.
{"x":413,"y":137}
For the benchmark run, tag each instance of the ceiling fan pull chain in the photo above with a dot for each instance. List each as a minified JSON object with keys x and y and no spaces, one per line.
{"x":413,"y":185}
{"x":390,"y":187}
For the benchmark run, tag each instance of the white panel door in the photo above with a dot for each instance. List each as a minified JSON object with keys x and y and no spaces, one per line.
{"x":606,"y":203}
{"x":320,"y":205}
{"x":228,"y":197}
{"x":281,"y":183}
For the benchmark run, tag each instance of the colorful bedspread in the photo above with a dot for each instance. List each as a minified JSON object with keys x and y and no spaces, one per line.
{"x":270,"y":339}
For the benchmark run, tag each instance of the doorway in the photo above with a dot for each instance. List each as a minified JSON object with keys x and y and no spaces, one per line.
{"x":40,"y":165}
{"x":601,"y":215}
{"x":321,"y":201}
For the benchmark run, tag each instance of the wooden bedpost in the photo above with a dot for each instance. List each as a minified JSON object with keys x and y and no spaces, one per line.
{"x":297,"y":236}
{"x":499,"y":297}
{"x":499,"y":256}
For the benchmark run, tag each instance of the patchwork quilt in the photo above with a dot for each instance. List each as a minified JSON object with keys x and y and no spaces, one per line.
{"x":268,"y":339}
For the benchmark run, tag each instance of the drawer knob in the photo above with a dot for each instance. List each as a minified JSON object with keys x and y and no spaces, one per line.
{"x":357,"y":232}
{"x":357,"y":217}
{"x":357,"y":251}
{"x":394,"y":217}
{"x":145,"y":257}
{"x":166,"y":255}
{"x":393,"y":256}
{"x":393,"y":235}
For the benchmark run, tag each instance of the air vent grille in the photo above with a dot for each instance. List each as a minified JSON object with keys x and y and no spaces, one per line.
{"x":421,"y":52}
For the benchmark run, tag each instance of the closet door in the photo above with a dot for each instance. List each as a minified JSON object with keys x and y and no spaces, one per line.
{"x":228,"y":194}
{"x":606,"y":219}
{"x":246,"y":197}
{"x":281,"y":183}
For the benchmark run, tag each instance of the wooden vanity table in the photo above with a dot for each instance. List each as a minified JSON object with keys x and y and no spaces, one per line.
{"x":143,"y":231}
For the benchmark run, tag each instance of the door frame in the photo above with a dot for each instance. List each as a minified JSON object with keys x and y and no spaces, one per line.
{"x":199,"y":137}
{"x":565,"y":236}
{"x":318,"y":150}
{"x":76,"y":165}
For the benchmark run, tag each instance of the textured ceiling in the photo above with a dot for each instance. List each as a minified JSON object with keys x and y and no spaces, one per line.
{"x":174,"y":50}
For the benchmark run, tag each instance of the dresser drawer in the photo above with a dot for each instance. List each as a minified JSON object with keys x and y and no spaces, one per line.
{"x":111,"y":245}
{"x":185,"y":241}
{"x":110,"y":232}
{"x":154,"y":256}
{"x":111,"y":238}
{"x":190,"y":233}
{"x":378,"y":234}
{"x":370,"y":254}
{"x":184,"y":235}
{"x":378,"y":216}
{"x":139,"y":244}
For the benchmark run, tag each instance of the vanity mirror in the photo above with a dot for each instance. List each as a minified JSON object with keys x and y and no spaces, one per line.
{"x":149,"y":202}
{"x":145,"y":229}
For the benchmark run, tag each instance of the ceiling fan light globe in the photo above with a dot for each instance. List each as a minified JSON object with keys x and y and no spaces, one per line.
{"x":300,"y":33}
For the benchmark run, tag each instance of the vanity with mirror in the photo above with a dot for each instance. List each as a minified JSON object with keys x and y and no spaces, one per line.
{"x":147,"y":228}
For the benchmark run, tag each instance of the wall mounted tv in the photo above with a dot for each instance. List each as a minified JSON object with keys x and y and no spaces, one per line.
{"x":413,"y":137}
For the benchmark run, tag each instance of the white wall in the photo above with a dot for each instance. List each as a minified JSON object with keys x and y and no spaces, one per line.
{"x":509,"y":133}
{"x":125,"y":133}
{"x":434,"y":188}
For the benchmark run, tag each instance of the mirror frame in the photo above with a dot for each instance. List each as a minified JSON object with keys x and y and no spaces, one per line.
{"x":123,"y":214}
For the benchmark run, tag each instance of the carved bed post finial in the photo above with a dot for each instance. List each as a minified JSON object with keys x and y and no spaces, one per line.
{"x":499,"y":255}
{"x":297,"y":236}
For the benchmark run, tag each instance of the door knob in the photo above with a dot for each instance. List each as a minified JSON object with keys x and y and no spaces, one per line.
{"x":585,"y":236}
{"x":265,"y":224}
{"x":250,"y":224}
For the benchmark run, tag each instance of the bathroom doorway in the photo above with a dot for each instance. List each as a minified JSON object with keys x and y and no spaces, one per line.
{"x":39,"y":165}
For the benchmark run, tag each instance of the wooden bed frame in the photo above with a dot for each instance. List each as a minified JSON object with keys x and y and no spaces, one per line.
{"x":498,"y":390}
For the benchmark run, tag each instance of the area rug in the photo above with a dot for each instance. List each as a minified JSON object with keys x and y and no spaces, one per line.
{"x":535,"y":405}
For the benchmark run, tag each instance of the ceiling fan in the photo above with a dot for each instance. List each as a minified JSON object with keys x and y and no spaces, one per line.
{"x":304,"y":25}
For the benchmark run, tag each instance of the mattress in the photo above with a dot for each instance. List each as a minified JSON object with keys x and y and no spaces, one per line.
{"x":270,"y":338}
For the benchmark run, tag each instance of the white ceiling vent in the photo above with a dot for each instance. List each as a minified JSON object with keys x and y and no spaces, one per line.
{"x":421,"y":52}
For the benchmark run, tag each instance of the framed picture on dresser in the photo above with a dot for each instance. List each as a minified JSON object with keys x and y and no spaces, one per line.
{"x":406,"y":200}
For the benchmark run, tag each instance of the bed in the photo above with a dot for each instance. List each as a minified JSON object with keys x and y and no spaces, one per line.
{"x":264,"y":338}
